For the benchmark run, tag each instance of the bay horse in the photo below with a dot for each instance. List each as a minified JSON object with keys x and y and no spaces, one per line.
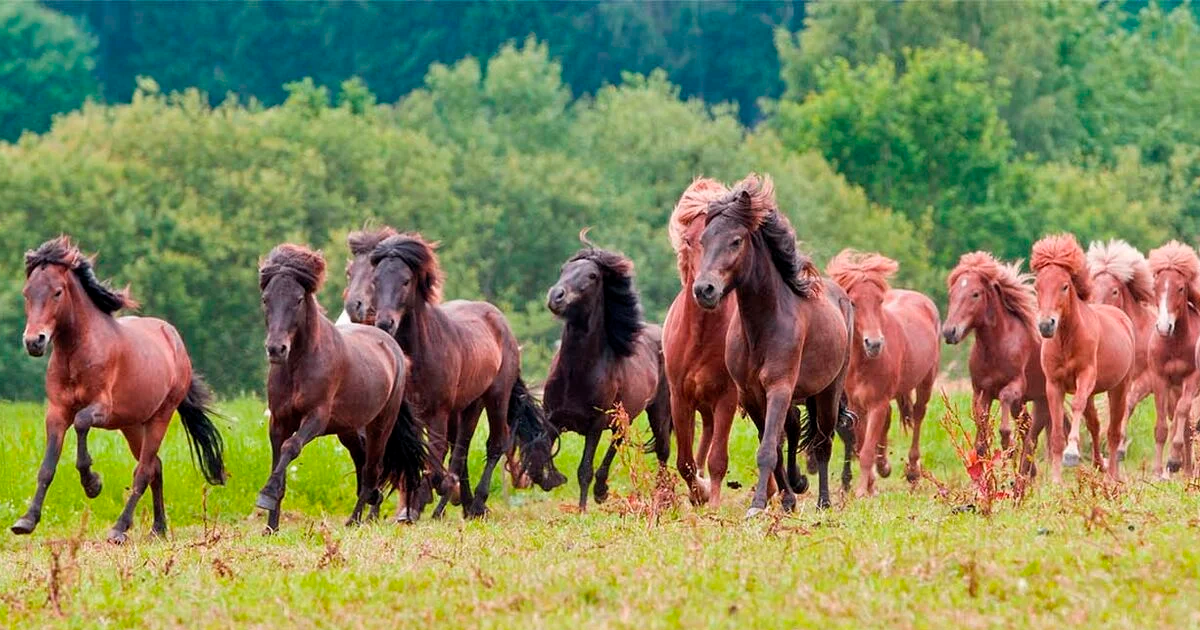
{"x":997,"y":303}
{"x":464,"y":358}
{"x":788,"y":344}
{"x":325,"y":379}
{"x":1172,"y":354}
{"x":608,"y":358}
{"x":1122,"y":278}
{"x":129,"y":374}
{"x":894,"y":356}
{"x":694,"y":353}
{"x":1087,"y":349}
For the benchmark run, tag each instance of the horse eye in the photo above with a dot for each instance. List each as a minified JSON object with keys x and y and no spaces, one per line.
{"x":975,"y":295}
{"x":1065,"y":287}
{"x":737,"y":242}
{"x":58,"y":292}
{"x":592,"y":276}
{"x":406,"y":281}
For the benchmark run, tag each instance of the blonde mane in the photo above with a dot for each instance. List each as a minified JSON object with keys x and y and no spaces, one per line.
{"x":851,"y":268}
{"x":1180,"y":258}
{"x":692,"y":205}
{"x":1015,"y":288}
{"x":1125,"y":263}
{"x":1062,"y":250}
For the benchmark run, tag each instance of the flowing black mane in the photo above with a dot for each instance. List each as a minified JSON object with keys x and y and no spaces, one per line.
{"x":305,"y":265}
{"x":752,"y":205}
{"x":365,"y":241}
{"x":622,"y":308}
{"x":60,"y":251}
{"x":419,"y":255}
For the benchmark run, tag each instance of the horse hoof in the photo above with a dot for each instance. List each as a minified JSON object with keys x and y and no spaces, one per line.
{"x":884,"y":468}
{"x":266,"y":503}
{"x":92,"y":487}
{"x":24,"y":526}
{"x":408,"y":516}
{"x":912,"y":474}
{"x":753,"y":512}
{"x":117,"y":538}
{"x":601,"y":493}
{"x":1121,"y":455}
{"x":801,"y":485}
{"x":823,"y":503}
{"x":1173,"y":465}
{"x":476,"y":513}
{"x":159,"y":532}
{"x":1071,"y":458}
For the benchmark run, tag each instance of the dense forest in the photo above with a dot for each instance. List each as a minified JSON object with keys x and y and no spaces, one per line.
{"x":188,"y":138}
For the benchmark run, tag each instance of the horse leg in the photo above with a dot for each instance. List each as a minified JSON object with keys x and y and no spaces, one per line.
{"x":600,"y":490}
{"x":586,"y":461}
{"x":1142,"y":387}
{"x":148,"y":466}
{"x":1010,"y":405}
{"x":95,"y":414}
{"x":1056,"y":403}
{"x":1085,"y":382}
{"x":56,"y":429}
{"x":779,"y":398}
{"x":134,"y":436}
{"x":912,"y":471}
{"x":792,"y":427}
{"x":468,"y":420}
{"x":1183,"y":410}
{"x":1116,"y":428}
{"x":1041,"y":420}
{"x":882,"y":464}
{"x":876,"y":423}
{"x":845,"y":430}
{"x":683,"y":414}
{"x":441,"y":480}
{"x":1092,"y":418}
{"x":497,"y":414}
{"x":313,"y":425}
{"x":374,"y":443}
{"x":1164,"y":415}
{"x":718,"y":454}
{"x":355,"y":444}
{"x":981,"y":407}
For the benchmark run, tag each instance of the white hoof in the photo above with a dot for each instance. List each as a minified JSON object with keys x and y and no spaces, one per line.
{"x":754,"y":512}
{"x":1071,"y":456}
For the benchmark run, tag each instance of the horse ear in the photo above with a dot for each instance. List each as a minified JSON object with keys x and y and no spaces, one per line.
{"x":744,"y":197}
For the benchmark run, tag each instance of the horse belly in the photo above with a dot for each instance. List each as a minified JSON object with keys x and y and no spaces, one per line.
{"x":149,"y":374}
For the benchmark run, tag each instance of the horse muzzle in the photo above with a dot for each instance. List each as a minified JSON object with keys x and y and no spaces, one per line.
{"x":707,"y":294}
{"x":1047,"y":327}
{"x":558,"y":300}
{"x":357,"y":310}
{"x":952,"y":334}
{"x":872,"y":347}
{"x":277,"y":353}
{"x":36,"y":345}
{"x":1165,"y":327}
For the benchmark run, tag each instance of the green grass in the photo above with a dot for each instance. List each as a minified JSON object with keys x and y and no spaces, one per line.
{"x":1071,"y":555}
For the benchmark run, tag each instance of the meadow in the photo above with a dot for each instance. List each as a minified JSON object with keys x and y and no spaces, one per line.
{"x":926,"y":557}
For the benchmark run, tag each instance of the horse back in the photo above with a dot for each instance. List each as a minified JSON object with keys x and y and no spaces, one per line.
{"x":372,"y":373}
{"x":148,"y":369}
{"x":917,"y":321}
{"x":484,"y":344}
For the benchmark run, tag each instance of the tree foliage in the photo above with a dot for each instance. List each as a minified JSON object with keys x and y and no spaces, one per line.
{"x":45,"y":67}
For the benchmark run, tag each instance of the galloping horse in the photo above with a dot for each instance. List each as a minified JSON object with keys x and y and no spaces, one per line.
{"x":1121,"y":278}
{"x":324,"y":379}
{"x":788,"y":343}
{"x":608,"y":358}
{"x":895,"y":356}
{"x":997,"y":302}
{"x":1173,"y":356}
{"x":130,"y":374}
{"x":464,"y":358}
{"x":1088,"y":349}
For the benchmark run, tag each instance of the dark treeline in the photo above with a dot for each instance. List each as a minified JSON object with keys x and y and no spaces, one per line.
{"x":919,"y":129}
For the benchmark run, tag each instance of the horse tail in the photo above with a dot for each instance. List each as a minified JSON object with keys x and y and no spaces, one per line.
{"x":846,"y":421}
{"x":658,"y":412}
{"x":406,"y":454}
{"x":204,"y":441}
{"x":526,"y":418}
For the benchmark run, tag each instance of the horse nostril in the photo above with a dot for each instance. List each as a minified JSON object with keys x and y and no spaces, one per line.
{"x":41,"y":339}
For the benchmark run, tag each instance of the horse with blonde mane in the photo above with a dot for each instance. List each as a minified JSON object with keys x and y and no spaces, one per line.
{"x":1121,"y":278}
{"x":1172,"y":354}
{"x":894,"y":356}
{"x":1087,"y":349}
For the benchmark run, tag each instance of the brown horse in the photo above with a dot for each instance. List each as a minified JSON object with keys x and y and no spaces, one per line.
{"x":465,"y":358}
{"x":608,"y":358}
{"x":1173,"y":354}
{"x":1121,"y":278}
{"x":1088,"y":349}
{"x":129,"y":374}
{"x":997,"y":302}
{"x":789,"y":344}
{"x":324,"y":379}
{"x":895,"y":357}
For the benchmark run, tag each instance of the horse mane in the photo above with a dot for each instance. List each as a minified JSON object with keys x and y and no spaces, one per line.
{"x":752,"y":205}
{"x":1062,"y":250}
{"x":304,"y":265}
{"x":365,"y":241}
{"x":1015,"y":288}
{"x":419,"y":255}
{"x":60,"y":251}
{"x":692,"y":205}
{"x":1176,"y":256}
{"x":622,"y":308}
{"x":851,"y":267}
{"x":1125,"y":263}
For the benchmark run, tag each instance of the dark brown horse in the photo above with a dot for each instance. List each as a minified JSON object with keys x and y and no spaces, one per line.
{"x":789,"y":344}
{"x":1173,"y":355}
{"x":608,"y":358}
{"x":997,"y":303}
{"x":465,"y":358}
{"x":345,"y":380}
{"x":129,"y":374}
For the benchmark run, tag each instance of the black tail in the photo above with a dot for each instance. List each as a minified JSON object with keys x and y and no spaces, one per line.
{"x":406,"y":455}
{"x":527,"y":422}
{"x":204,"y":441}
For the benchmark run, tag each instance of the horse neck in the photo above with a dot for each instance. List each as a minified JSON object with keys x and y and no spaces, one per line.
{"x":73,"y":332}
{"x":585,"y":336}
{"x":758,"y":292}
{"x":1072,"y":322}
{"x":1004,"y":325}
{"x":423,"y":325}
{"x":312,"y":338}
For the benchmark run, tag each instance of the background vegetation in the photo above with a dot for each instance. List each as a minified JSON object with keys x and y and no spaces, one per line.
{"x":920,"y":129}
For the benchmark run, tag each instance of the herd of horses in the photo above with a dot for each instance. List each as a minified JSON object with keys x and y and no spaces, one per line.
{"x":805,"y":355}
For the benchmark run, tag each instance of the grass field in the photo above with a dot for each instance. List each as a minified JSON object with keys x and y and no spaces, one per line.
{"x":1076,"y":554}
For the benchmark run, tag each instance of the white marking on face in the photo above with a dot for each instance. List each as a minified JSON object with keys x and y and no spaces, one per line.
{"x":963,"y":283}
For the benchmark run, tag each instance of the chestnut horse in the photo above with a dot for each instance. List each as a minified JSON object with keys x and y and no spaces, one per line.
{"x":1121,"y":278}
{"x":1088,"y":349}
{"x":788,"y":344}
{"x":894,"y":356}
{"x":465,"y":358}
{"x":324,"y":379}
{"x":997,"y":302}
{"x":608,"y":358}
{"x":1173,"y":355}
{"x":129,"y":374}
{"x":694,"y":352}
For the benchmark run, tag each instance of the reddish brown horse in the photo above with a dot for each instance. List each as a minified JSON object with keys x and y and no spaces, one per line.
{"x":997,"y":303}
{"x":129,"y":374}
{"x":1088,"y":349}
{"x":1121,"y":278}
{"x":1173,"y":355}
{"x":608,"y":358}
{"x":895,"y":357}
{"x":345,"y":380}
{"x":789,"y":344}
{"x":465,"y":358}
